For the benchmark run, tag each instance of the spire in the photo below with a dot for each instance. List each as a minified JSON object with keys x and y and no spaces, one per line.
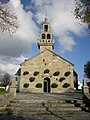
{"x":46,"y":19}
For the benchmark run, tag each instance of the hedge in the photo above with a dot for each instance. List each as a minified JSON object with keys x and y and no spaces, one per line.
{"x":66,"y":85}
{"x":39,"y":85}
{"x":36,"y":73}
{"x":32,"y":79}
{"x":54,"y":85}
{"x":56,"y":73}
{"x":26,"y":85}
{"x":25,"y":73}
{"x":67,"y":73}
{"x":61,"y":79}
{"x":46,"y":71}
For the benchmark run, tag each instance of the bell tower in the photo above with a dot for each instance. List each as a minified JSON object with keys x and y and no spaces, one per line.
{"x":45,"y":40}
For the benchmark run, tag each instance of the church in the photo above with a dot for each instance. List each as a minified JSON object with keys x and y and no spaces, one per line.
{"x":46,"y":72}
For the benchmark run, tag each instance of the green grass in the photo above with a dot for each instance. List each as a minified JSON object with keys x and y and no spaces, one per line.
{"x":0,"y":99}
{"x":2,"y":91}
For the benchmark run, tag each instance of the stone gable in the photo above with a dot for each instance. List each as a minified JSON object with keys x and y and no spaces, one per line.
{"x":41,"y":62}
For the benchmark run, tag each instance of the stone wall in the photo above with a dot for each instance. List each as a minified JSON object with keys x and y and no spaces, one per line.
{"x":46,"y":60}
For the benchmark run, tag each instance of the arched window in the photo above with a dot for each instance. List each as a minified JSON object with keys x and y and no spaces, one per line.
{"x":48,"y":36}
{"x":45,"y":28}
{"x":43,"y":36}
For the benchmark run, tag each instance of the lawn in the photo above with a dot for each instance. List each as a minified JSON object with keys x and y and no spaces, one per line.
{"x":2,"y":91}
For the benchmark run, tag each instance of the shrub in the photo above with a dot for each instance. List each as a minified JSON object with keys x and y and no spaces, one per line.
{"x":56,"y":73}
{"x":61,"y":79}
{"x":2,"y":91}
{"x":67,"y":73}
{"x":46,"y":71}
{"x":26,"y":73}
{"x":32,"y":79}
{"x":39,"y":85}
{"x":66,"y":85}
{"x":54,"y":85}
{"x":26,"y":85}
{"x":35,"y":73}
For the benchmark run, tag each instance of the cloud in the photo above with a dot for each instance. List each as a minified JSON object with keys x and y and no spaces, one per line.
{"x":10,"y":64}
{"x":8,"y":68}
{"x":13,"y":49}
{"x":21,"y":58}
{"x":19,"y":43}
{"x":25,"y":36}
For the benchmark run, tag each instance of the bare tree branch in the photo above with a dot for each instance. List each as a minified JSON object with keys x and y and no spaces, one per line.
{"x":8,"y":19}
{"x":82,"y":11}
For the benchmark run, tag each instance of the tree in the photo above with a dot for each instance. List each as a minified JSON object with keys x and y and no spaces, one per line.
{"x":87,"y":69}
{"x":8,"y":19}
{"x":6,"y":80}
{"x":82,"y":11}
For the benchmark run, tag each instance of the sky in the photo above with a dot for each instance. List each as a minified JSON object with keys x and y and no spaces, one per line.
{"x":71,"y":37}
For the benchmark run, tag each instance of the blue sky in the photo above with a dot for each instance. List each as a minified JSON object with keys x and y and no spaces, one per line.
{"x":71,"y":37}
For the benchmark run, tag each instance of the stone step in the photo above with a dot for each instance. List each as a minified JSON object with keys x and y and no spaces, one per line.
{"x":32,"y":101}
{"x":50,"y":101}
{"x":24,"y":113}
{"x":26,"y":104}
{"x":42,"y":104}
{"x":41,"y":101}
{"x":64,"y":109}
{"x":36,"y":107}
{"x":30,"y":107}
{"x":28,"y":111}
{"x":32,"y":111}
{"x":22,"y":108}
{"x":59,"y":105}
{"x":47,"y":104}
{"x":42,"y":110}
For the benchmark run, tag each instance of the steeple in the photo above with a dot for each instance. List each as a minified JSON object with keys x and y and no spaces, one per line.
{"x":45,"y":40}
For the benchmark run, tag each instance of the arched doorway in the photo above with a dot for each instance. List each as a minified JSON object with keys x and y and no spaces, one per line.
{"x":46,"y":85}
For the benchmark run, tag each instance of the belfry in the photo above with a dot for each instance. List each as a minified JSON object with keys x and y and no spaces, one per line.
{"x":45,"y":40}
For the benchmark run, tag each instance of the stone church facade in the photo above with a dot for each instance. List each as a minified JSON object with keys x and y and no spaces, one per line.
{"x":47,"y":71}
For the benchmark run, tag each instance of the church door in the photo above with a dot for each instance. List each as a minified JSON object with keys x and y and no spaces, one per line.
{"x":47,"y":85}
